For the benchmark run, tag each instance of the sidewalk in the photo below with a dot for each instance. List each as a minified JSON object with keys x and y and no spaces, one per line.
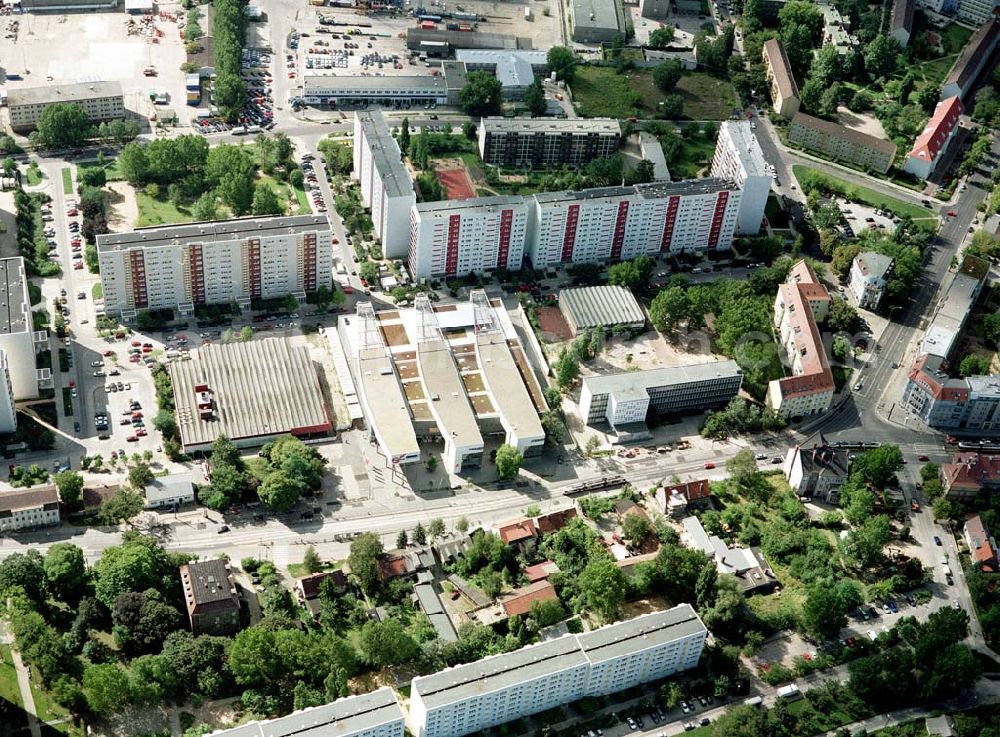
{"x":23,"y":681}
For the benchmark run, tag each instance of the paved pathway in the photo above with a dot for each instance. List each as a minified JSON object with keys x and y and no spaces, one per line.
{"x":23,"y":681}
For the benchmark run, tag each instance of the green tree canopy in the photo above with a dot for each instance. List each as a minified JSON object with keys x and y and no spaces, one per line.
{"x":65,"y":572}
{"x":364,"y":561}
{"x":481,"y":95}
{"x":386,"y":643}
{"x":562,"y":61}
{"x":602,"y":587}
{"x":63,"y":125}
{"x":508,"y":462}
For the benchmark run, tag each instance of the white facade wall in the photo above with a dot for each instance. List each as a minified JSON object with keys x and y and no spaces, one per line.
{"x":746,"y":168}
{"x":584,"y":230}
{"x":8,"y":416}
{"x":25,"y":519}
{"x":20,"y":351}
{"x":226,"y":270}
{"x":623,"y":410}
{"x":455,"y":240}
{"x":977,"y":12}
{"x":497,"y":701}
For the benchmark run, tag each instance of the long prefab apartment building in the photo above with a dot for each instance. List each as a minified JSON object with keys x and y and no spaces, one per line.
{"x":547,"y":141}
{"x":183,"y":266}
{"x":498,"y":689}
{"x":375,"y":714}
{"x":100,"y":100}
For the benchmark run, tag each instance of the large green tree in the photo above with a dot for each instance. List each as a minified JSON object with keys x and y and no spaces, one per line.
{"x":63,"y":125}
{"x":106,"y":688}
{"x":386,"y":643}
{"x":280,"y":491}
{"x":364,"y":561}
{"x":70,"y":485}
{"x":562,"y":61}
{"x":602,"y":587}
{"x":65,"y":572}
{"x":508,"y":462}
{"x":481,"y":95}
{"x":823,"y":613}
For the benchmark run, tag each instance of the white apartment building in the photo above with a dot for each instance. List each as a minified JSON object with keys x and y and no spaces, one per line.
{"x":183,"y":266}
{"x":18,"y":341}
{"x":100,"y":100}
{"x":869,"y":272}
{"x":374,"y":714}
{"x":453,"y":237}
{"x":8,"y":413}
{"x":738,"y":157}
{"x":620,"y":223}
{"x":471,"y":697}
{"x":386,"y":187}
{"x":977,"y":12}
{"x":24,"y":509}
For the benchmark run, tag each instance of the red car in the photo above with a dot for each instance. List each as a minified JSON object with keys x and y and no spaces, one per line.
{"x":136,"y":343}
{"x":133,"y":359}
{"x":923,"y":459}
{"x":108,"y":353}
{"x":146,"y":349}
{"x":132,"y":439}
{"x":78,"y":265}
{"x":709,"y":466}
{"x":952,"y":213}
{"x":141,"y":432}
{"x":72,"y":213}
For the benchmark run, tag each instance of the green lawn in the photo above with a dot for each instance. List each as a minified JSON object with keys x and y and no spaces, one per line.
{"x":67,"y":177}
{"x":34,"y":176}
{"x":48,"y":710}
{"x":67,"y":401}
{"x":303,"y":199}
{"x":692,"y":159}
{"x":954,"y":37}
{"x":9,"y":690}
{"x":159,"y":211}
{"x":706,"y":97}
{"x":98,"y":291}
{"x":810,"y":178}
{"x":601,"y":93}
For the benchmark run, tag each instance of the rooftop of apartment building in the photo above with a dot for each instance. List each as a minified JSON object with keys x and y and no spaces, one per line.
{"x":844,"y":133}
{"x":936,"y":133}
{"x":954,"y":307}
{"x":499,"y":672}
{"x":747,"y":147}
{"x":972,"y":470}
{"x":639,"y":382}
{"x":928,"y":371}
{"x":15,"y":315}
{"x":603,"y":126}
{"x":212,"y":231}
{"x":653,"y":190}
{"x":386,"y":156}
{"x":781,"y":68}
{"x":349,"y":715}
{"x":15,"y":500}
{"x":980,"y":45}
{"x":981,"y":543}
{"x":443,"y":208}
{"x":801,"y":288}
{"x":247,"y":390}
{"x":873,"y":264}
{"x":207,"y":582}
{"x":54,"y":93}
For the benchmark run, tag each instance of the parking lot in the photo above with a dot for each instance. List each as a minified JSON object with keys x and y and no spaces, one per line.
{"x":63,"y":49}
{"x":861,"y":217}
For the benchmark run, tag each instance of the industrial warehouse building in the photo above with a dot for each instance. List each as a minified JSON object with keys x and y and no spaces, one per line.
{"x":375,"y":714}
{"x":597,"y":21}
{"x":451,"y":373}
{"x":386,"y":187}
{"x":624,"y":400}
{"x":475,"y":696}
{"x":100,"y":100}
{"x":250,"y":392}
{"x":218,"y":262}
{"x":603,"y":307}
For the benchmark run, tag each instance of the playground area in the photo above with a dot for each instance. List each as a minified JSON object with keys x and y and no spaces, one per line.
{"x":455,"y":179}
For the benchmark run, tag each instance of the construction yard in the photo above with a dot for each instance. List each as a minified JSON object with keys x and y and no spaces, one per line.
{"x":52,"y":49}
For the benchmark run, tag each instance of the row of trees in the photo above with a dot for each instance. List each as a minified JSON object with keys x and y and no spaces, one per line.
{"x":65,"y":125}
{"x":228,"y":31}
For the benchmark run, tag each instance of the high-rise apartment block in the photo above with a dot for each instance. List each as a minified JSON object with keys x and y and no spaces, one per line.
{"x":802,"y":302}
{"x":620,"y":223}
{"x":738,"y":156}
{"x":386,"y":187}
{"x":977,"y":11}
{"x":18,"y":341}
{"x":454,"y":237}
{"x":183,"y":266}
{"x":547,"y":141}
{"x":472,"y":697}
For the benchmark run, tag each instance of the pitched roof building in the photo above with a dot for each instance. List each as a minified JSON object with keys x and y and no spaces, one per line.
{"x":974,"y":58}
{"x":22,"y":509}
{"x":842,"y":143}
{"x":901,"y":21}
{"x":517,"y":531}
{"x":933,"y":141}
{"x":307,"y":588}
{"x":554,"y":521}
{"x":968,"y":474}
{"x":211,"y":598}
{"x":674,"y":500}
{"x":817,"y":469}
{"x":520,"y":601}
{"x":784,"y":91}
{"x":540,"y":571}
{"x":982,"y":546}
{"x":801,"y":303}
